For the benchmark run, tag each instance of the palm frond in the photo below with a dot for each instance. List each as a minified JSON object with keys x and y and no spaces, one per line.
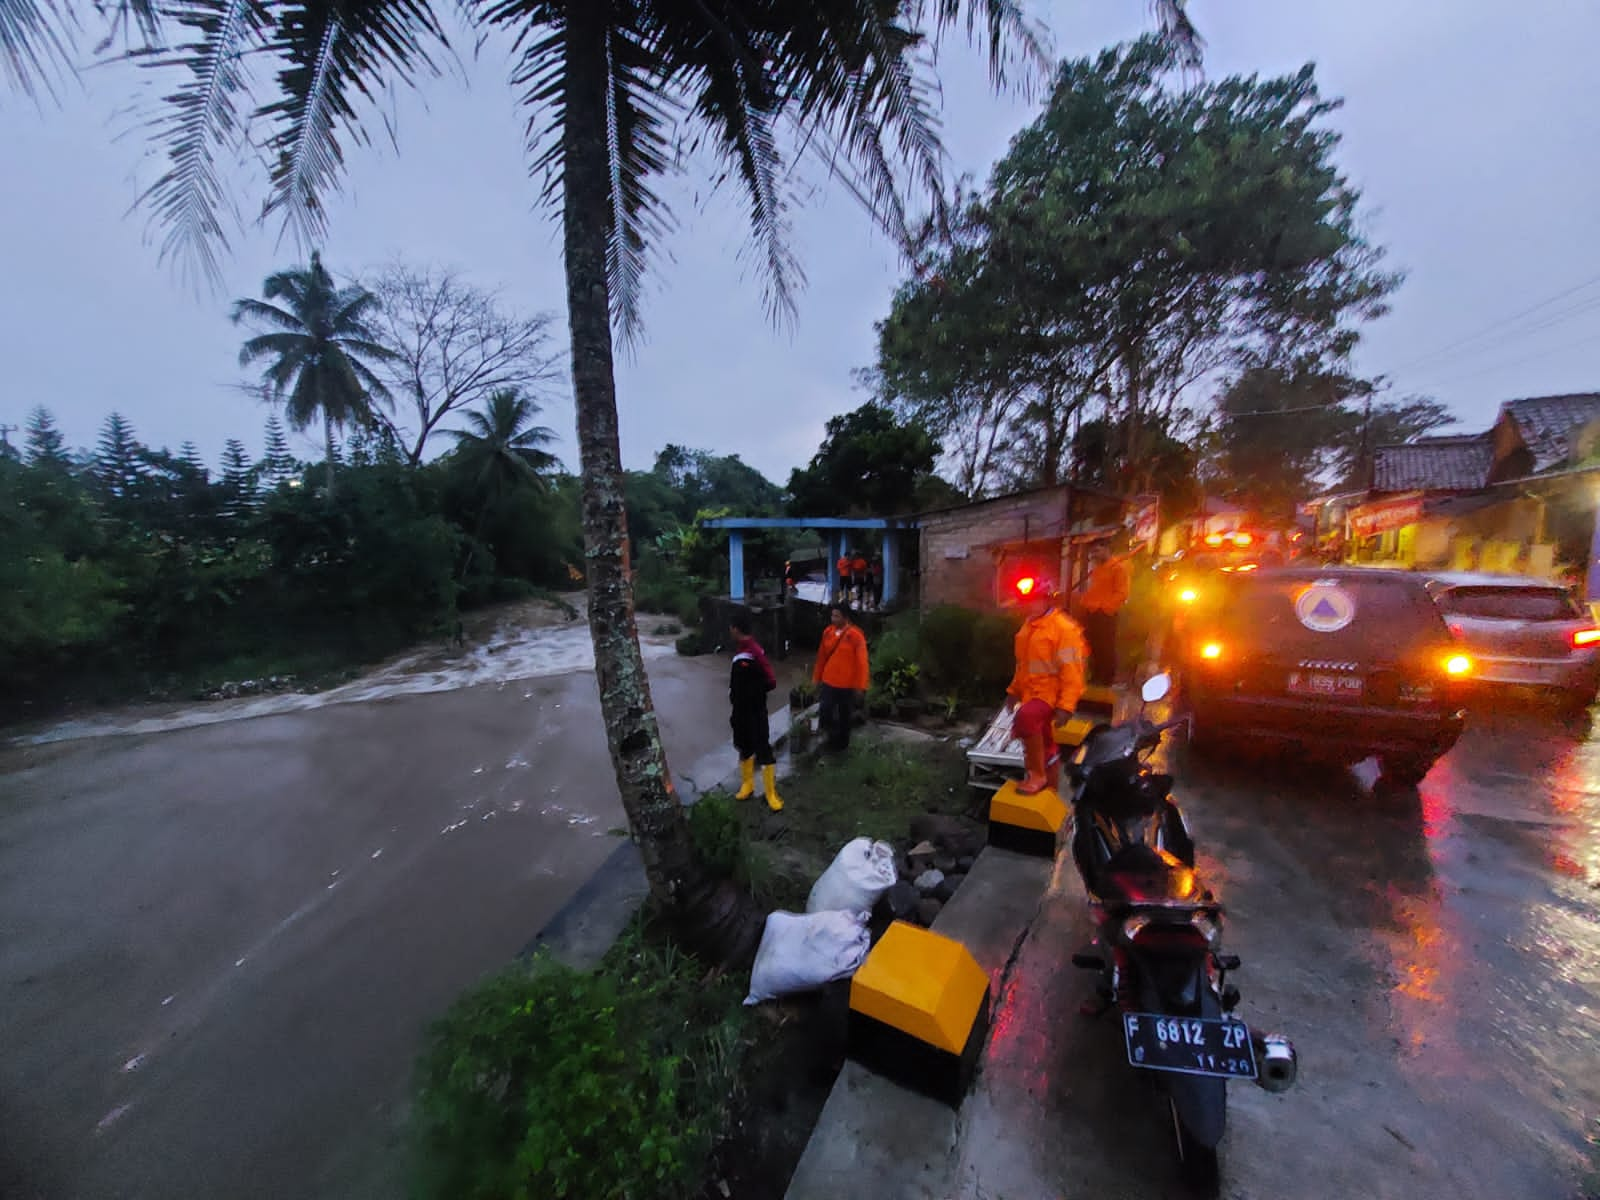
{"x":367,"y":349}
{"x":284,"y":345}
{"x":144,"y":15}
{"x":366,"y":380}
{"x":336,"y":51}
{"x":637,"y":120}
{"x":343,"y":398}
{"x":294,"y":285}
{"x":267,"y":314}
{"x":304,"y":404}
{"x":202,"y":116}
{"x":540,"y":77}
{"x":736,"y":101}
{"x":1010,"y":35}
{"x":35,"y":44}
{"x":350,"y":308}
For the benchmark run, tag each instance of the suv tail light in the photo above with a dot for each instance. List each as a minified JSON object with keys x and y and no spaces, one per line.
{"x":1585,"y":637}
{"x":1457,"y":632}
{"x":1211,"y":651}
{"x":1457,"y":666}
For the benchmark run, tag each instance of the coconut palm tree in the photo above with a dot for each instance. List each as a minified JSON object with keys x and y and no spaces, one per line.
{"x":501,"y":448}
{"x":619,"y":92}
{"x":318,"y":344}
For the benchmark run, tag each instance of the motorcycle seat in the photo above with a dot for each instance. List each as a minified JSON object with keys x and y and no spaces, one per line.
{"x":1142,"y":874}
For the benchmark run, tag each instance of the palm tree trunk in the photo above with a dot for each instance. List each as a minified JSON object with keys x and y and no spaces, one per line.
{"x":713,"y":918}
{"x":327,"y":440}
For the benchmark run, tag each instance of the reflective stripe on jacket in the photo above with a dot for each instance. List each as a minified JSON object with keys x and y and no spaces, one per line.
{"x":842,"y":659}
{"x":1050,"y":661}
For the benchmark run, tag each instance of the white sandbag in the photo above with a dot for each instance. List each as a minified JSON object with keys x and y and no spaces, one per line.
{"x":801,"y":952}
{"x":858,"y":875}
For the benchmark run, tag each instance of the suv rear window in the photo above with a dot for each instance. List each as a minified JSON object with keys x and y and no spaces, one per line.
{"x":1385,"y":616}
{"x":1510,"y":603}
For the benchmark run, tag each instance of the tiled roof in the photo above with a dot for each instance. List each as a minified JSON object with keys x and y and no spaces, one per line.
{"x":1436,"y":464}
{"x":1547,"y":424}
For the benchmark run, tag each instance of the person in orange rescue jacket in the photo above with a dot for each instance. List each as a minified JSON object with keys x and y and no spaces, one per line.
{"x":1103,"y":597}
{"x":1047,"y":684}
{"x":841,"y":675}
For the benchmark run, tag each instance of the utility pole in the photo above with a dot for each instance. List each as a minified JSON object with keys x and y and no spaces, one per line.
{"x":1366,"y":445}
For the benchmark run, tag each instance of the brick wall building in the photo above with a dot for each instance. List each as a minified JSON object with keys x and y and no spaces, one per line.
{"x":962,"y":551}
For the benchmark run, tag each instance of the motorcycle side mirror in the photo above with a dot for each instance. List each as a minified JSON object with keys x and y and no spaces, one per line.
{"x":1156,"y":688}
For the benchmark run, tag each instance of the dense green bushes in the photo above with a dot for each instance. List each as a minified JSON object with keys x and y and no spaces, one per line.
{"x":545,"y":1083}
{"x":134,"y":569}
{"x":953,"y":654}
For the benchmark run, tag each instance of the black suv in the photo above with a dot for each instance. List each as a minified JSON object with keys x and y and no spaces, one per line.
{"x":1342,"y":661}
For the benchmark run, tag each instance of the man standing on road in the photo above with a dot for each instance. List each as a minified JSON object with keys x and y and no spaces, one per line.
{"x":1047,"y":683}
{"x":751,"y":679}
{"x":1103,"y":597}
{"x":844,"y":577}
{"x":841,"y":676}
{"x":858,"y":572}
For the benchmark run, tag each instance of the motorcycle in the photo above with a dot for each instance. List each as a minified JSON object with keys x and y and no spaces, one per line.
{"x":1158,"y":938}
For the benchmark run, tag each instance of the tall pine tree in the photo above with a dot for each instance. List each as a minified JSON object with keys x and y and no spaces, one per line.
{"x":118,"y":458}
{"x":278,"y":466}
{"x":45,"y":445}
{"x":189,"y":456}
{"x":238,"y":478}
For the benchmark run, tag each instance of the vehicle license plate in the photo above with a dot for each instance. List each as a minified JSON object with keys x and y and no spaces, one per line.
{"x":1190,"y":1045}
{"x":1320,"y":683}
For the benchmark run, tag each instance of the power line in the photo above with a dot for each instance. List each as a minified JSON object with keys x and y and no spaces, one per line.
{"x":1516,"y":362}
{"x":1510,"y":337}
{"x":1500,"y":324}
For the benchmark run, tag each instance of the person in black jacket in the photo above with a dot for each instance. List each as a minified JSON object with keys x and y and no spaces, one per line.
{"x":749,"y":682}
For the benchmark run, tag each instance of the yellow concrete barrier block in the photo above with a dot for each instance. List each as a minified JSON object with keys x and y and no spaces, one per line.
{"x":1043,"y":811}
{"x":1073,"y":731}
{"x":1098,"y":695}
{"x":919,"y":1012}
{"x":1025,"y":824}
{"x":921,"y":983}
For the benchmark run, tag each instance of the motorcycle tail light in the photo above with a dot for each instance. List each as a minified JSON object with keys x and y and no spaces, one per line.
{"x":1585,"y":637}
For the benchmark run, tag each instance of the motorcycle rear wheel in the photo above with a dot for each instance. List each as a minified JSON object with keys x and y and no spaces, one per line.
{"x":1198,"y":1163}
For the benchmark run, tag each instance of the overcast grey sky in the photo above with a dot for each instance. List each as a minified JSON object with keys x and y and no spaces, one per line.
{"x":1468,"y":125}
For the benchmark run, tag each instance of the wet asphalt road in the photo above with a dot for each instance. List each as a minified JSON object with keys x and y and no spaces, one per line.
{"x":1434,"y":955}
{"x":220,"y":944}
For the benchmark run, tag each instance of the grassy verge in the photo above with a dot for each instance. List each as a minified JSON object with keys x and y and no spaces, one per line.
{"x":646,"y":1079}
{"x":872,"y":790}
{"x":611,"y":1084}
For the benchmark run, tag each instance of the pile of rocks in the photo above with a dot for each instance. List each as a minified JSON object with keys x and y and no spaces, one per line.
{"x":250,"y":687}
{"x":932,"y":865}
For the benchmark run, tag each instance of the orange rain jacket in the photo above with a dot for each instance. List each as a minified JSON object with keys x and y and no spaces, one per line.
{"x":842,"y":659}
{"x":1108,"y":588}
{"x":1050,"y":661}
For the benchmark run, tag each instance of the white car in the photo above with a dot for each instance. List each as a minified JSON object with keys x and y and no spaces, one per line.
{"x":1522,"y":631}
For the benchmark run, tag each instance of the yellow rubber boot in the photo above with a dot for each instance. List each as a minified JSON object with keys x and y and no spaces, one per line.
{"x":769,"y":783}
{"x":747,"y":779}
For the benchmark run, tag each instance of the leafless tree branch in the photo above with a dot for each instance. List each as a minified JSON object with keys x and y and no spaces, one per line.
{"x":457,"y":345}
